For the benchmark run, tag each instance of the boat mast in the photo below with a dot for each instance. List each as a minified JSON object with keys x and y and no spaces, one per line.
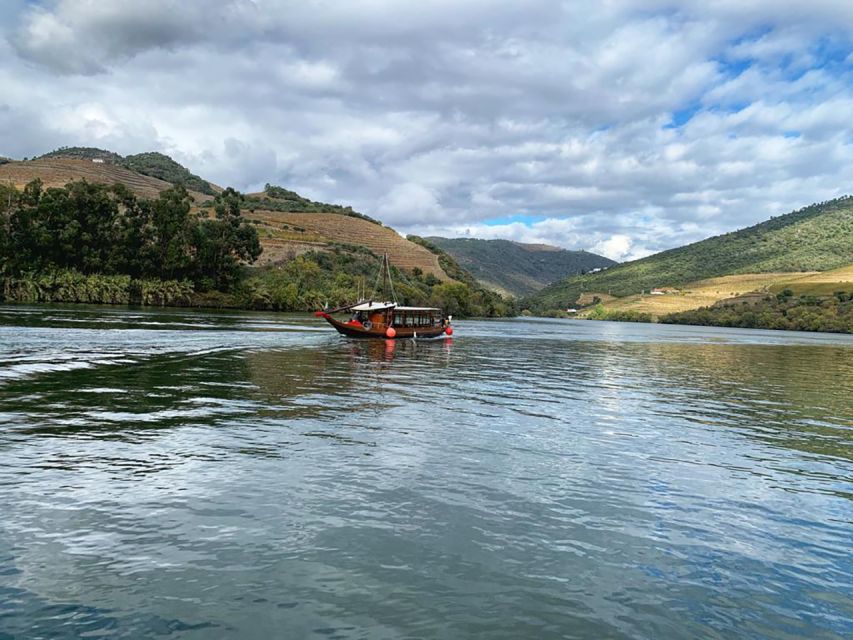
{"x":385,"y":276}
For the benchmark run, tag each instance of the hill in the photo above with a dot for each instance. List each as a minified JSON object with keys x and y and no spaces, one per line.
{"x":152,"y":163}
{"x":285,"y":235}
{"x":288,"y":224}
{"x":59,"y":171}
{"x":82,"y":153}
{"x":815,"y":238}
{"x":516,"y":268}
{"x":162,"y":166}
{"x":274,"y":198}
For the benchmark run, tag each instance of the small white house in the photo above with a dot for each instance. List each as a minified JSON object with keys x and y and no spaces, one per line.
{"x":571,"y":310}
{"x":98,"y":160}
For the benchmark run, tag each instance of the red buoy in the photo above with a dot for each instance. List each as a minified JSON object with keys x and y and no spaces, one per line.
{"x":449,"y":331}
{"x":390,"y":332}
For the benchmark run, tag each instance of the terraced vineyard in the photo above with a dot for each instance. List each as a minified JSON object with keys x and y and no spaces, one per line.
{"x":284,"y":235}
{"x":57,"y":172}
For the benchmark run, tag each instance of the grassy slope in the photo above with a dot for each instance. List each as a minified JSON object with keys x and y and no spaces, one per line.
{"x":701,"y":293}
{"x":819,"y":284}
{"x":816,"y":238}
{"x":751,"y":286}
{"x":518,"y":269}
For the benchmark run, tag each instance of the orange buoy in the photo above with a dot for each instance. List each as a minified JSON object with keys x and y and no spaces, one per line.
{"x":390,"y":332}
{"x":449,"y":331}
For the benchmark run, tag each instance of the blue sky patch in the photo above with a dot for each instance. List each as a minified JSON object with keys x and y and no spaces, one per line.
{"x":523,"y":218}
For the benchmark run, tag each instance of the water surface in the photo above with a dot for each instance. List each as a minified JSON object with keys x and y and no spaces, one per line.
{"x":218,"y":475}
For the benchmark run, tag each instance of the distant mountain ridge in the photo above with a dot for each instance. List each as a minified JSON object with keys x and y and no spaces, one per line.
{"x":517,"y":268}
{"x":815,"y":238}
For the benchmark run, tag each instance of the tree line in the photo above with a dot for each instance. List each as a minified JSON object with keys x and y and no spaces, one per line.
{"x":102,"y":229}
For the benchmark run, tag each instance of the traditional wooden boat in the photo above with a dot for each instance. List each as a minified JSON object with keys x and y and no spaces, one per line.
{"x":389,"y":320}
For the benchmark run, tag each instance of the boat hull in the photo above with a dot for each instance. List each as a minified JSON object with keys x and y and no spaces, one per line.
{"x":378,"y":332}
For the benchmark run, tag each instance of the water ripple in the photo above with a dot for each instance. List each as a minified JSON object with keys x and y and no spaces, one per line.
{"x":232,"y":475}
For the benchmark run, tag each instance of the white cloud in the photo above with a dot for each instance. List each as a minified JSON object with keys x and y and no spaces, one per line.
{"x":439,"y":116}
{"x":408,"y":201}
{"x":616,"y":247}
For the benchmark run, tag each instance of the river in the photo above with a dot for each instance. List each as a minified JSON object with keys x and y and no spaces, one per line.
{"x":250,"y":475}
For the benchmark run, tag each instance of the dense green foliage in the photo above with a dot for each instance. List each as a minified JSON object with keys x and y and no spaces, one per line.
{"x":83,"y":153}
{"x":599,"y":312}
{"x":816,"y":238}
{"x":280,"y":199}
{"x":158,"y":165}
{"x":804,"y":313}
{"x":336,"y":277}
{"x":520,"y":269}
{"x":106,"y":230}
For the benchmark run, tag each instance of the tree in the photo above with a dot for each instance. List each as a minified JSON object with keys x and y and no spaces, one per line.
{"x":221,"y":244}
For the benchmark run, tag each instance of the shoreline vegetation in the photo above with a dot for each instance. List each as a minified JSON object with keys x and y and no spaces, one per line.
{"x":828,"y":314}
{"x":784,"y":312}
{"x":101,"y":244}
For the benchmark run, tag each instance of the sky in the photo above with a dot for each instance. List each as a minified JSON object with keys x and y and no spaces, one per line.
{"x":619,"y":127}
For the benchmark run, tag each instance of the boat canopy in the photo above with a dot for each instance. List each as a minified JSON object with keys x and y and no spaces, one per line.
{"x":372,"y":306}
{"x":418,"y":309}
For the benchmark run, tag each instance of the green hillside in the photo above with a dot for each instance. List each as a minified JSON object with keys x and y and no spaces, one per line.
{"x":519,"y":269}
{"x":158,"y":165}
{"x":816,"y":238}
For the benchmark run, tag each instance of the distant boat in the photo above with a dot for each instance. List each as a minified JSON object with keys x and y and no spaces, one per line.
{"x":389,"y":320}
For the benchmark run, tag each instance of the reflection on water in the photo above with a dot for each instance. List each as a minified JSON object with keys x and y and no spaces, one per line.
{"x":254,"y":475}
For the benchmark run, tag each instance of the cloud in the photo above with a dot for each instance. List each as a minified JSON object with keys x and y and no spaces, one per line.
{"x":407,"y":201}
{"x":627,"y":127}
{"x":616,"y":247}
